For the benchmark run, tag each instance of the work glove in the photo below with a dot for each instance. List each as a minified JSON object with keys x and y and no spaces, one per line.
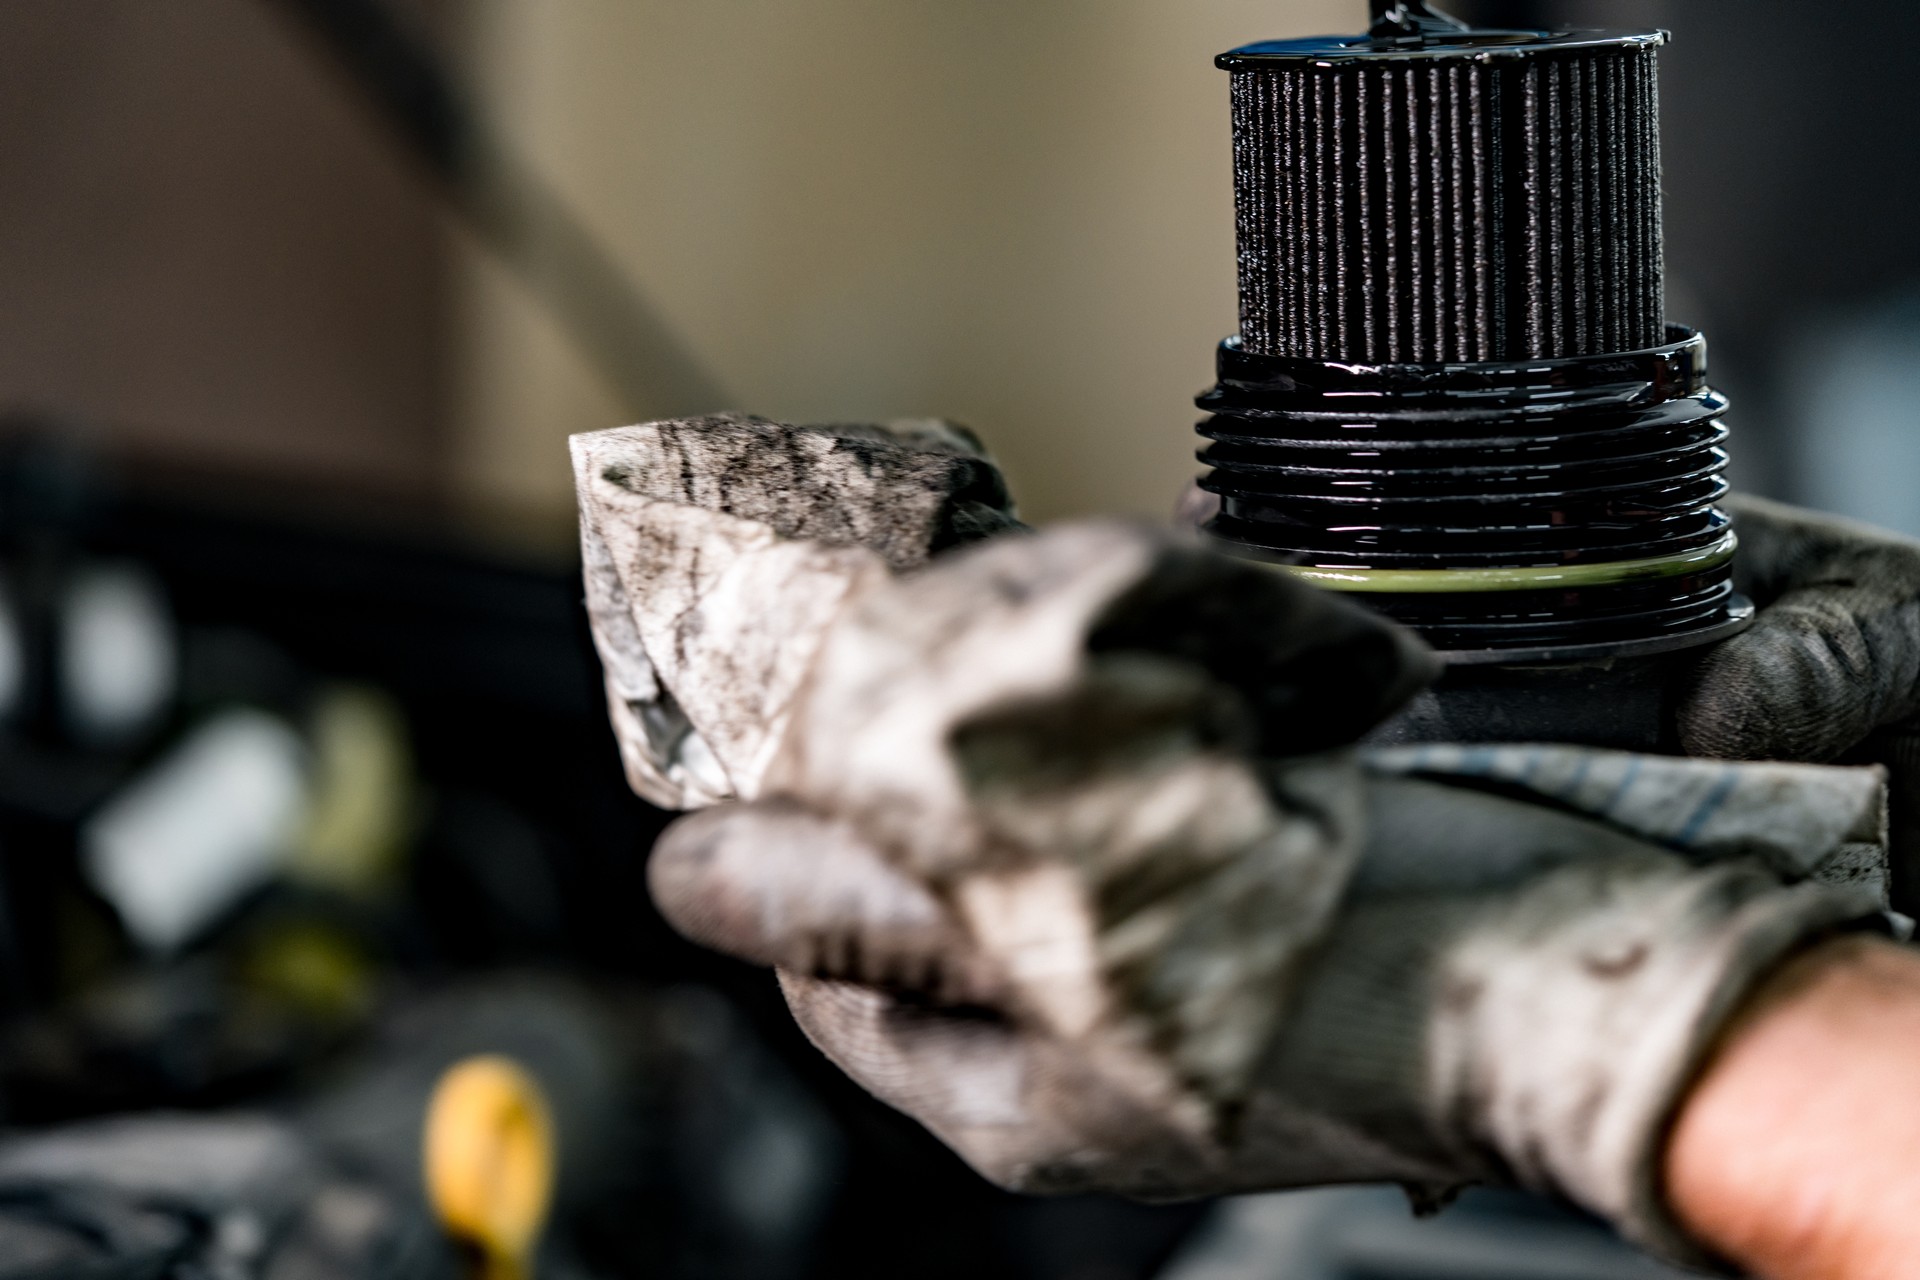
{"x":1830,"y":669}
{"x":1059,"y":846}
{"x":1062,"y":855}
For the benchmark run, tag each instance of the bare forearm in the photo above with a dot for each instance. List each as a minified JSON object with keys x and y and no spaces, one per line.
{"x":1797,"y":1156}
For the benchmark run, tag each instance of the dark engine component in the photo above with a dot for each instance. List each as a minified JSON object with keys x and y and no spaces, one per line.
{"x":1454,"y":392}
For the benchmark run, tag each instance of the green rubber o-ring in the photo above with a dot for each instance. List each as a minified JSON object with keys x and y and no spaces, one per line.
{"x":1540,"y":578}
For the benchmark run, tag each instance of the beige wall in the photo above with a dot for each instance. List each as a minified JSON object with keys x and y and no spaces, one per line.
{"x":210,"y":253}
{"x":1017,"y":213}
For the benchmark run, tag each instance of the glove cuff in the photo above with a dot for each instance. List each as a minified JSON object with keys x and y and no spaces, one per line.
{"x":1571,"y":1022}
{"x":1544,"y":1036}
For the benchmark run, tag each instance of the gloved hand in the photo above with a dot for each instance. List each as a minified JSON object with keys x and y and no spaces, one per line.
{"x":1830,"y":669}
{"x":1061,"y":856}
{"x":1060,"y":851}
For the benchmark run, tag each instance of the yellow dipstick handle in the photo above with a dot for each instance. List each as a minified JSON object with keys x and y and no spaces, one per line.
{"x":489,"y":1162}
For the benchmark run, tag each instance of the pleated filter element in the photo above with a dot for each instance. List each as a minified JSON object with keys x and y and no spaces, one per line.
{"x":1449,"y":205}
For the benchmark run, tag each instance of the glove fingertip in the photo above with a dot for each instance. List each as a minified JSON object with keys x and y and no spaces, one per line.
{"x":1774,"y":693}
{"x":695,"y":883}
{"x":769,"y":882}
{"x":775,"y":884}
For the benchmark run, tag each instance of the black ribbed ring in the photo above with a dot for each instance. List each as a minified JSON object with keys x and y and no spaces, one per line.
{"x":1524,"y":464}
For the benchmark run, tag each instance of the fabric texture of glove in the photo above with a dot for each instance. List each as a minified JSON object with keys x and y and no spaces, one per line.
{"x":1800,"y":822}
{"x":1830,"y":669}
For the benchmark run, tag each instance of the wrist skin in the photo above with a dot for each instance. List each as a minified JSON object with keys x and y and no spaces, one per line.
{"x":1797,"y":1153}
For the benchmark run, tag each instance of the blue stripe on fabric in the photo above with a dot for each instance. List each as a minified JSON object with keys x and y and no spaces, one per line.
{"x":1532,"y":766}
{"x":1626,"y":784}
{"x":1710,"y":804}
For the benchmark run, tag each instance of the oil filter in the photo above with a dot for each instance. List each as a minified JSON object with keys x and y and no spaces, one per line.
{"x":1454,"y":393}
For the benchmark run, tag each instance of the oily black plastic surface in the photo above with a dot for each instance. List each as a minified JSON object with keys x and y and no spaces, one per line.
{"x":1623,"y":704}
{"x":1503,"y":464}
{"x":1456,"y":44}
